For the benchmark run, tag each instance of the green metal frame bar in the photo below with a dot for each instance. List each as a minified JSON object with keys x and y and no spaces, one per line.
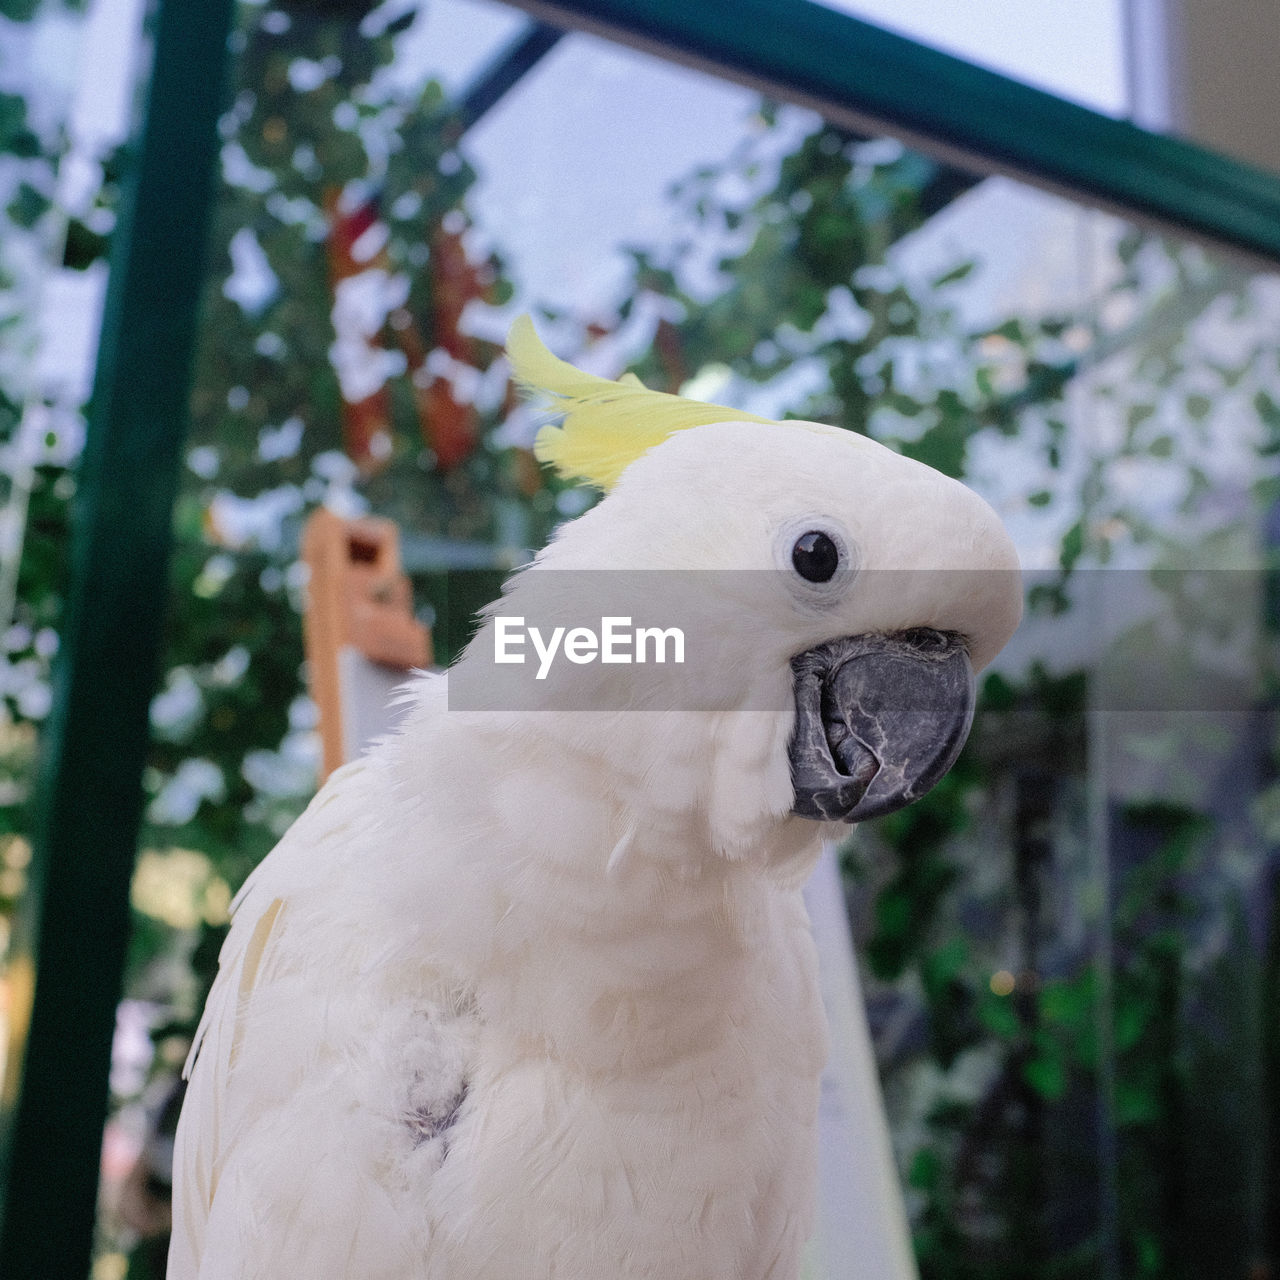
{"x":74,"y":930}
{"x":864,"y":77}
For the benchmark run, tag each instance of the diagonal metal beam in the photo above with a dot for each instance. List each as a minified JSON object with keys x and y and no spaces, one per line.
{"x":506,"y":70}
{"x":73,"y":927}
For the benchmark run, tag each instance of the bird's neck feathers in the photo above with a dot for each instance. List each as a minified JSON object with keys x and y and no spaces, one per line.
{"x":602,"y":790}
{"x":581,"y":885}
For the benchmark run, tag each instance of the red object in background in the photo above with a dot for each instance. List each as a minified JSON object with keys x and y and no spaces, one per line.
{"x":451,"y":429}
{"x":455,"y":281}
{"x":366,"y":424}
{"x":344,"y":230}
{"x":448,"y":426}
{"x":666,"y":342}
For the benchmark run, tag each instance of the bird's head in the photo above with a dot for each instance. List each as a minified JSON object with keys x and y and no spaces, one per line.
{"x":835,"y":598}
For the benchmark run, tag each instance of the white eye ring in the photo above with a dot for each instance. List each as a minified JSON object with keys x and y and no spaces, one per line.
{"x":833,"y":588}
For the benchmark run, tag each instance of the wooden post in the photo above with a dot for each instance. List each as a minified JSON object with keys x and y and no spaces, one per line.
{"x":359,"y":605}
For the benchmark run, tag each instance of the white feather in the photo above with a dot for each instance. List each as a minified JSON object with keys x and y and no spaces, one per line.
{"x":533,"y":995}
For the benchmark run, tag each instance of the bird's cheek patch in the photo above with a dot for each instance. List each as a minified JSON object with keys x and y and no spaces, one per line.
{"x":750,"y":780}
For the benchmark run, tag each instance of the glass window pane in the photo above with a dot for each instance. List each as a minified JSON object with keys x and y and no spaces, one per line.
{"x":1075,"y":51}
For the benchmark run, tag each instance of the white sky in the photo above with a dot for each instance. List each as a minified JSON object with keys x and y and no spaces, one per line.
{"x":570,"y":180}
{"x":1074,"y":48}
{"x":576,"y":160}
{"x":1070,"y":47}
{"x":100,"y":86}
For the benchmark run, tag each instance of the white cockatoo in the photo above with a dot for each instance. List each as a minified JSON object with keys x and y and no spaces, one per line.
{"x":529,"y":991}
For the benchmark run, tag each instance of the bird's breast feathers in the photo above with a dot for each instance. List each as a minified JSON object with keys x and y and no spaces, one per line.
{"x":370,"y":1099}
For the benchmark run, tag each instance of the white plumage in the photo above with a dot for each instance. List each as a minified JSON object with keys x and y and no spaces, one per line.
{"x":532,"y":995}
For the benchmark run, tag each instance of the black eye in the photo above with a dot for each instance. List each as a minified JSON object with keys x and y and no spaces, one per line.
{"x":815,"y":557}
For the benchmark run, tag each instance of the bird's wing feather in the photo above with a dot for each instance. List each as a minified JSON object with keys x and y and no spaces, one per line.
{"x":207,"y":1133}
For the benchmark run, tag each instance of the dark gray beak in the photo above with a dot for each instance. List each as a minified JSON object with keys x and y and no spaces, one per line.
{"x":879,"y":719}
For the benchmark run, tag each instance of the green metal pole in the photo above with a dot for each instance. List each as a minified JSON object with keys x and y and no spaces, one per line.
{"x":73,"y":930}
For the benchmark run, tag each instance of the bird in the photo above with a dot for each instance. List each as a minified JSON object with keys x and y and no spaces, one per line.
{"x":529,"y":991}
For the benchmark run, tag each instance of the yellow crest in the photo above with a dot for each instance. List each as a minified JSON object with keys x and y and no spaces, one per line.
{"x":605,"y":425}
